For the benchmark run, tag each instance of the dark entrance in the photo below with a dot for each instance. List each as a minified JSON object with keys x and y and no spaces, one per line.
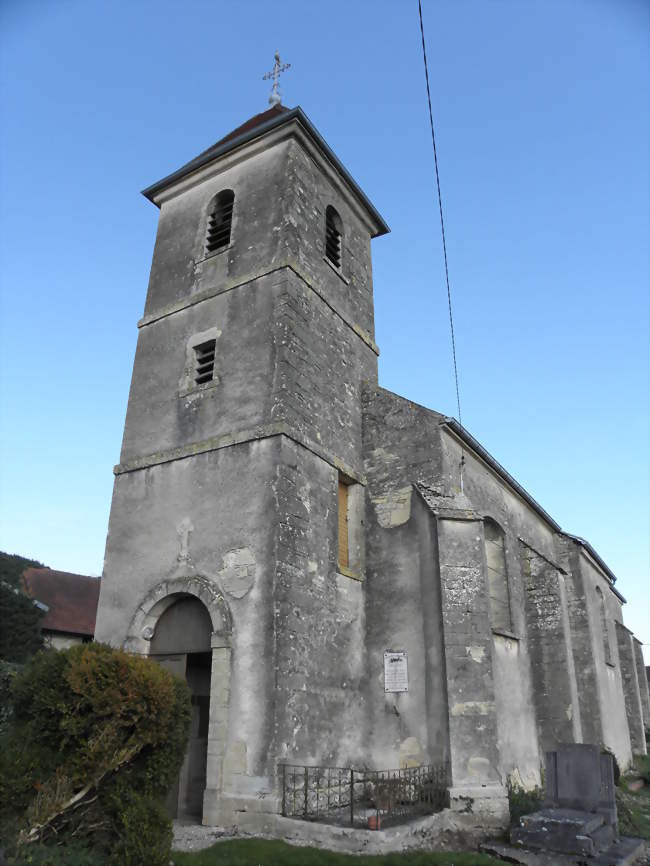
{"x":181,"y":643}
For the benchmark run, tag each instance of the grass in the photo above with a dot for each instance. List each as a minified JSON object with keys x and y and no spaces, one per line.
{"x":634,"y":807}
{"x":267,"y":852}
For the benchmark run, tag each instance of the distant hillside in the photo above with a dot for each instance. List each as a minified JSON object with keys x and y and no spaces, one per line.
{"x":12,"y":566}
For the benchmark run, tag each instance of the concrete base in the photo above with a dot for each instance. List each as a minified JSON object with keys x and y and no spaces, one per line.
{"x":490,"y":802}
{"x":445,"y":830}
{"x":223,"y":810}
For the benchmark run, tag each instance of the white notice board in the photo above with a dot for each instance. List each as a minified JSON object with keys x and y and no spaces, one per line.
{"x":396,"y":672}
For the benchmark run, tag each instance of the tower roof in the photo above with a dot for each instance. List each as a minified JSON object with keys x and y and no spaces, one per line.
{"x":255,"y":127}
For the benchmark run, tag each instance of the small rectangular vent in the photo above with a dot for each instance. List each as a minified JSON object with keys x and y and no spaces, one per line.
{"x":333,"y":245}
{"x":204,"y":369}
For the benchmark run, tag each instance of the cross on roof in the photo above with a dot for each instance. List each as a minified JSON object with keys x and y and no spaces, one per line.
{"x":278,"y":67}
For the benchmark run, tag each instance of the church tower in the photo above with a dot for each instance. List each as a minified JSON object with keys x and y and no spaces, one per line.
{"x":235,"y":551}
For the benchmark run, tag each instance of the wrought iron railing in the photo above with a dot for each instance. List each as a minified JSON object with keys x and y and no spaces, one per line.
{"x":363,"y":798}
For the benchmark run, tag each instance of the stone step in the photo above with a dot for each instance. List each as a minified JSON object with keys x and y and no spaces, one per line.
{"x":603,"y":837}
{"x":624,"y":852}
{"x":562,"y":839}
{"x":582,"y":823}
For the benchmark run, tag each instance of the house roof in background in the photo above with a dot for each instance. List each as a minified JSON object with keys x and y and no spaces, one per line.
{"x":71,"y":599}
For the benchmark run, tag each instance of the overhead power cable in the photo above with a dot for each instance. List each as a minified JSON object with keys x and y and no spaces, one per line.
{"x":442,"y":221}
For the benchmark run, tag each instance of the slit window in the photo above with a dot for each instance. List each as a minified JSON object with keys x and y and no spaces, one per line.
{"x":603,"y":626}
{"x":333,"y":234}
{"x":204,"y":362}
{"x":499,"y":594}
{"x":220,"y":222}
{"x":344,"y":528}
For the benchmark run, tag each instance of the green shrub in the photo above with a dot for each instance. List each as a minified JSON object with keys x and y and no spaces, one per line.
{"x":522,"y":801}
{"x":52,"y":855}
{"x":95,"y":741}
{"x":8,"y":671}
{"x":642,"y":767}
{"x":144,"y":828}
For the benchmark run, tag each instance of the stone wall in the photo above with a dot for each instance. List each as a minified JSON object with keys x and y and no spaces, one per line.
{"x":310,"y":191}
{"x":484,"y":495}
{"x":172,"y":528}
{"x":633,"y":708}
{"x":643,"y":682}
{"x":403,"y":602}
{"x":320,"y":365}
{"x":547,"y":643}
{"x":319,"y":622}
{"x":603,"y":609}
{"x":180,"y":269}
{"x":582,"y":640}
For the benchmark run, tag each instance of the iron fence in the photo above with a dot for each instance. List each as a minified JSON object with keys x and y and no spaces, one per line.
{"x":363,"y":798}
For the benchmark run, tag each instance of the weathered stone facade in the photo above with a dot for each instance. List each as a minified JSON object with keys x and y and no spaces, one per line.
{"x":228,"y":493}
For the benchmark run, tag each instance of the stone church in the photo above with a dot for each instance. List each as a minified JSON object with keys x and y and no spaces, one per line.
{"x":344,"y":577}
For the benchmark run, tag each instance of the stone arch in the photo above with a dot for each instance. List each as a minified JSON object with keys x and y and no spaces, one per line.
{"x":142,"y":629}
{"x":162,"y":596}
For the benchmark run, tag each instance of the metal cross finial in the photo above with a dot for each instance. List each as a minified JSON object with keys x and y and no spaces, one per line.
{"x":275,"y":98}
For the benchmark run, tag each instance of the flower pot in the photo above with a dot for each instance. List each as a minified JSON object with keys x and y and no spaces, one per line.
{"x":374,"y":822}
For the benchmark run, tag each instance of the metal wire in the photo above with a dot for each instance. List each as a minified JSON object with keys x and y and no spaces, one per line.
{"x":442,"y":222}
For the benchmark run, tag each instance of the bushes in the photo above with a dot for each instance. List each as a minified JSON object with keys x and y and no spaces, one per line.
{"x":8,"y":671}
{"x":68,"y":855}
{"x":522,"y":801}
{"x":96,"y":740}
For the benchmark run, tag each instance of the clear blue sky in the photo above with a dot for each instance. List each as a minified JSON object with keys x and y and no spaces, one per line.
{"x":541,"y":110}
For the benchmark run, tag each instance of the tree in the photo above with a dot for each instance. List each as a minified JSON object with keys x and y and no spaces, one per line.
{"x":20,"y":618}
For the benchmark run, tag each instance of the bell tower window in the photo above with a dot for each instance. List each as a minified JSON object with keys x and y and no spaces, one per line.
{"x":220,"y":222}
{"x":333,"y":234}
{"x":204,"y":362}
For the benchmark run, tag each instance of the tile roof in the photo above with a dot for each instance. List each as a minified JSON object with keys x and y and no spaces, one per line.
{"x":71,"y":598}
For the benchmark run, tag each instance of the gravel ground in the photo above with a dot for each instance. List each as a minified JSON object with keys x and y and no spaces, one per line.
{"x":194,"y":837}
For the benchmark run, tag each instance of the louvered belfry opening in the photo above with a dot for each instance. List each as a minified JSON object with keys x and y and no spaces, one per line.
{"x":220,"y":222}
{"x":333,"y":232}
{"x":204,"y":370}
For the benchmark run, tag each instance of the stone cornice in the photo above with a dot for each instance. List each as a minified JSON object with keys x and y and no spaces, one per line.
{"x":214,"y":291}
{"x":263,"y":431}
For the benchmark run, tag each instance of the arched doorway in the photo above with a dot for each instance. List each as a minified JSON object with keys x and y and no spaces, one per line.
{"x":182,"y":644}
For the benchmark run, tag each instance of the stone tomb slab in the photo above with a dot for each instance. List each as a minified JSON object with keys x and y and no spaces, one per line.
{"x":574,"y":777}
{"x":565,"y":830}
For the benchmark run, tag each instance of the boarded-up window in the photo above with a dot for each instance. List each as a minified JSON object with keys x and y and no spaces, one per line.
{"x":603,"y":626}
{"x":344,"y":531}
{"x":499,"y":595}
